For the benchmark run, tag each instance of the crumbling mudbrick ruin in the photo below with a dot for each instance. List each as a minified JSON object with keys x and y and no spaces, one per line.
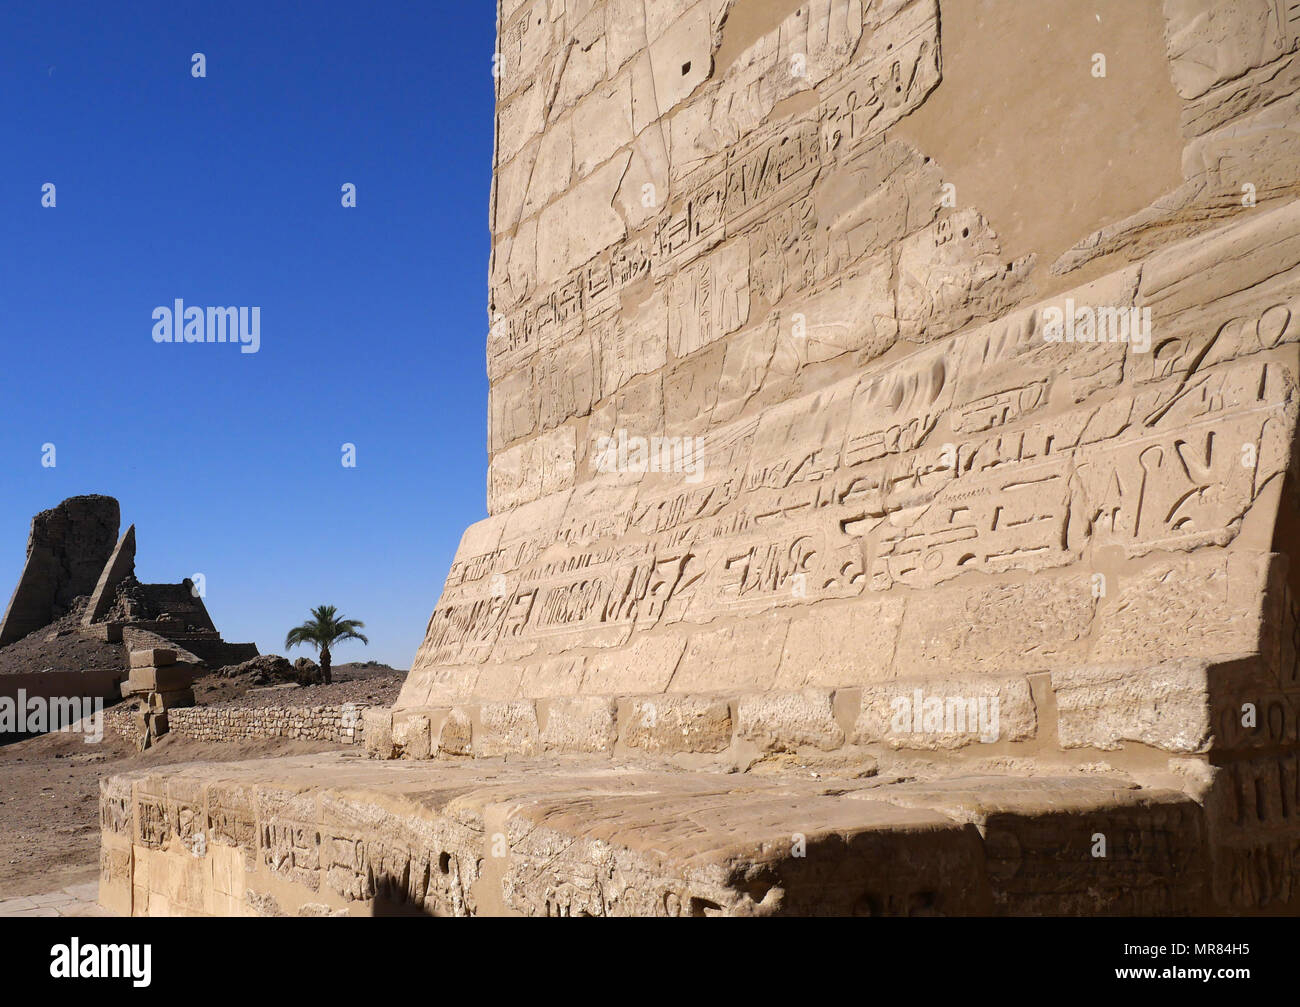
{"x":881,"y":522}
{"x":80,"y":575}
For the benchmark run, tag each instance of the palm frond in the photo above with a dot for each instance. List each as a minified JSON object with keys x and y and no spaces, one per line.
{"x":324,"y":629}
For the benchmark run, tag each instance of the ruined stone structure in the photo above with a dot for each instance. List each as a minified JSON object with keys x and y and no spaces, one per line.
{"x":70,"y":553}
{"x":897,"y":391}
{"x":72,"y":561}
{"x":66,"y":549}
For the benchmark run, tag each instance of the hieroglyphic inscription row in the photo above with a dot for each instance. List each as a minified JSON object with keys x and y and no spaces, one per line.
{"x":993,"y":452}
{"x":335,"y":853}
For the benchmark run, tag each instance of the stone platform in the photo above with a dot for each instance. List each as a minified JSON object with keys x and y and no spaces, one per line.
{"x":341,"y":835}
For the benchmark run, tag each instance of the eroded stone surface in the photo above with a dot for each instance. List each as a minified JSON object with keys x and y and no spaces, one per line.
{"x":330,"y":835}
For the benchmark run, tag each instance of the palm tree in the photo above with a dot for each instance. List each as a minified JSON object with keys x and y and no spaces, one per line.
{"x":322,"y":631}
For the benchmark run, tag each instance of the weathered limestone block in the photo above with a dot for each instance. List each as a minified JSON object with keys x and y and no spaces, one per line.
{"x":167,"y":679}
{"x":570,"y":381}
{"x":521,"y":120}
{"x":785,"y":721}
{"x":1159,"y":612}
{"x":536,"y":468}
{"x":946,"y":712}
{"x":856,"y":312}
{"x":455,"y":735}
{"x":582,"y":724}
{"x":378,"y":724}
{"x":154,"y":657}
{"x":680,"y":57}
{"x":744,"y":654}
{"x":513,"y":410}
{"x":606,"y":117}
{"x":991,"y":628}
{"x":411,"y":736}
{"x":1166,"y":705}
{"x":670,"y":724}
{"x":580,"y":223}
{"x":825,"y":648}
{"x":631,"y":347}
{"x":498,"y":681}
{"x":648,"y":662}
{"x":646,"y":176}
{"x":709,"y":299}
{"x":169,"y":699}
{"x":527,"y":33}
{"x":506,"y":728}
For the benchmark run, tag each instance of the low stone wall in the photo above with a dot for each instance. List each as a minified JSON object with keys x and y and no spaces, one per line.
{"x":125,"y":723}
{"x":335,"y":724}
{"x":338,"y":724}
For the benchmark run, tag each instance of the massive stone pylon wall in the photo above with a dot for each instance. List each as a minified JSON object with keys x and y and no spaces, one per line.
{"x":745,"y":229}
{"x":887,"y":469}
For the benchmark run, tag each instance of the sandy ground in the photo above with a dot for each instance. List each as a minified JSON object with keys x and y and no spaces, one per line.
{"x":49,"y":786}
{"x":371,"y":685}
{"x":49,"y":799}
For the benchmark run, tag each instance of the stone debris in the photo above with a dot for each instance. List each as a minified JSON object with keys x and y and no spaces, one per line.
{"x":264,"y":669}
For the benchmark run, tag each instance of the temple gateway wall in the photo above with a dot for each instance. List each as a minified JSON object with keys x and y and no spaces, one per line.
{"x":826,"y":355}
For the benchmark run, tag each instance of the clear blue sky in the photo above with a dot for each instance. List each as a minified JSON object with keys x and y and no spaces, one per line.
{"x":226,"y":191}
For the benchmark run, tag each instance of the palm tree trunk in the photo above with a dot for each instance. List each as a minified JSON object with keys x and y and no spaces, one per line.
{"x":325,"y":665}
